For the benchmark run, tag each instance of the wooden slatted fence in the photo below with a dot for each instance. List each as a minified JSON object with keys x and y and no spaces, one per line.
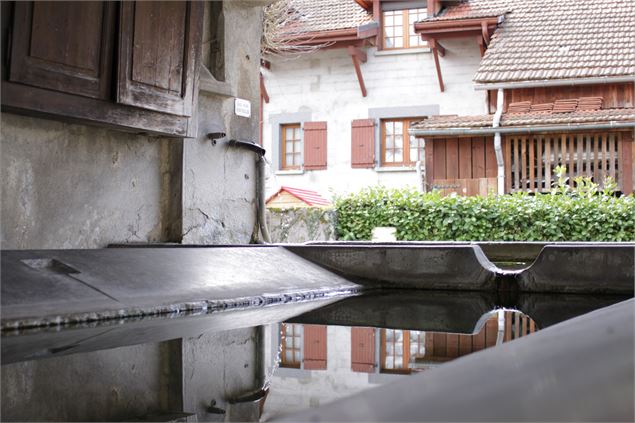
{"x":530,"y":160}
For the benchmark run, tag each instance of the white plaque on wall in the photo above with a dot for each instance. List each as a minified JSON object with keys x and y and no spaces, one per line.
{"x":242,"y":107}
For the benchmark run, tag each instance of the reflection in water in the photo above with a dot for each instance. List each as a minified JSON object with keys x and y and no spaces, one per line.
{"x":322,"y":363}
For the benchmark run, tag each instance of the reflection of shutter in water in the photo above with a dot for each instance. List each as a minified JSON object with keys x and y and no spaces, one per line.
{"x":315,"y":347}
{"x":363,"y":350}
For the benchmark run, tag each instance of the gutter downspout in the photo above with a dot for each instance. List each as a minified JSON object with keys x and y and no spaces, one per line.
{"x":498,"y":145}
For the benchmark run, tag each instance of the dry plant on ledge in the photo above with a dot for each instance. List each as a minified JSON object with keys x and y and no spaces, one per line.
{"x":278,"y":36}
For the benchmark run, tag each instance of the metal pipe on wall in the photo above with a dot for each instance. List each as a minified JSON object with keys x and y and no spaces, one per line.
{"x":498,"y":145}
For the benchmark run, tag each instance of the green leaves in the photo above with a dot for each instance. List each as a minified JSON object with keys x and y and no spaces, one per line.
{"x":585,"y":214}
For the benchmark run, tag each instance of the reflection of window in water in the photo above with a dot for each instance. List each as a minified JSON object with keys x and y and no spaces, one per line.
{"x":291,"y":339}
{"x":404,"y":351}
{"x":401,"y":349}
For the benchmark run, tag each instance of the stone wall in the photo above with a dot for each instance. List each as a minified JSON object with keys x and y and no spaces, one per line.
{"x":301,"y":224}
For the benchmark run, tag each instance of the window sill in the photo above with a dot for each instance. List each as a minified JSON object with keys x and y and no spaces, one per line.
{"x":395,"y":169}
{"x":402,"y":51}
{"x":290,"y":172}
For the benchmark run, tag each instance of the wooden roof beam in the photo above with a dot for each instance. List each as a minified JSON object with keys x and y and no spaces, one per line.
{"x":485,"y":31}
{"x":263,"y":89}
{"x":357,"y":55}
{"x":434,"y":46}
{"x":481,"y":44}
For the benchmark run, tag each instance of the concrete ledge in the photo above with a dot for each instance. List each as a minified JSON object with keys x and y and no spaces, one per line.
{"x":49,"y":287}
{"x":54,"y":341}
{"x":606,"y":269}
{"x":454,"y":267}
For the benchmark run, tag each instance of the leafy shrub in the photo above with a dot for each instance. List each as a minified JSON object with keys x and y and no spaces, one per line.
{"x":566,"y":214}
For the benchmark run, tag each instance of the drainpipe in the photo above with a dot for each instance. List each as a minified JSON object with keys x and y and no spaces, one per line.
{"x":498,"y":145}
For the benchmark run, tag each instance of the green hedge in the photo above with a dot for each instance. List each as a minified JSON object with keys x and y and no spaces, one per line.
{"x":559,"y":216}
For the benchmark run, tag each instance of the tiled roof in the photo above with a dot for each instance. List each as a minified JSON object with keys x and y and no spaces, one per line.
{"x":553,"y":39}
{"x":312,"y":198}
{"x":327,"y":15}
{"x":529,"y":119}
{"x":473,"y":10}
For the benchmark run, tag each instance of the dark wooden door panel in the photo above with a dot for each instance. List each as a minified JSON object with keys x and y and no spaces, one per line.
{"x":64,"y":46}
{"x":159,"y":51}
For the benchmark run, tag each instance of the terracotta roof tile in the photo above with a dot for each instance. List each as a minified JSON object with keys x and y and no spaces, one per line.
{"x":529,"y":119}
{"x":561,"y":39}
{"x":327,"y":15}
{"x":473,"y":10}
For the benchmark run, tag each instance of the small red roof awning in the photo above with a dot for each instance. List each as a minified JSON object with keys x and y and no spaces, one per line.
{"x":312,"y":198}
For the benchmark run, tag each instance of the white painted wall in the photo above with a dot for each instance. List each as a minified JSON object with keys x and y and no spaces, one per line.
{"x":324,"y":85}
{"x":294,"y":390}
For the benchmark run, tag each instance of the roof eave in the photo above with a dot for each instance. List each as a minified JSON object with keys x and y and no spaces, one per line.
{"x":554,"y":82}
{"x":361,"y":32}
{"x":454,"y":25}
{"x":521,"y":129}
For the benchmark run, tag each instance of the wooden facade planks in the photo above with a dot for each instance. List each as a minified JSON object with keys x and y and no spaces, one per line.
{"x":465,"y":160}
{"x":465,"y":165}
{"x":627,"y":157}
{"x":614,"y":95}
{"x":439,"y":158}
{"x":452,"y":158}
{"x":478,"y":157}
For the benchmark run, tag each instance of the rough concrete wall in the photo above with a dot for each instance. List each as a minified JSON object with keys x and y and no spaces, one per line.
{"x":219,"y":181}
{"x":324,"y":85}
{"x":76,"y":186}
{"x":106,"y":385}
{"x":218,"y":366}
{"x":301,"y":224}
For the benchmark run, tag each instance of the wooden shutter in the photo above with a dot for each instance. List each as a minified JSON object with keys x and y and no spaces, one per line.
{"x":159,"y":54}
{"x":314,"y":145}
{"x":315,"y":347}
{"x":363,"y":143}
{"x":363,"y":350}
{"x":64,"y":46}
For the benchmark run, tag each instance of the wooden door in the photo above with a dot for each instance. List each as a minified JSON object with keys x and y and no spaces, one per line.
{"x":159,"y":52}
{"x":64,"y":46}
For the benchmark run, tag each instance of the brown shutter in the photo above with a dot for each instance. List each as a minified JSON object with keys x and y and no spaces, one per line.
{"x":363,"y":350}
{"x":64,"y":46}
{"x":363,"y":143}
{"x":315,"y":347}
{"x":158,"y":67}
{"x":314,"y":145}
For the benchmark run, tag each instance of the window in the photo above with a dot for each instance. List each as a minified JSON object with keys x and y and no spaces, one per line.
{"x":292,"y":147}
{"x":291,"y":340}
{"x":399,"y":31}
{"x":397,"y":147}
